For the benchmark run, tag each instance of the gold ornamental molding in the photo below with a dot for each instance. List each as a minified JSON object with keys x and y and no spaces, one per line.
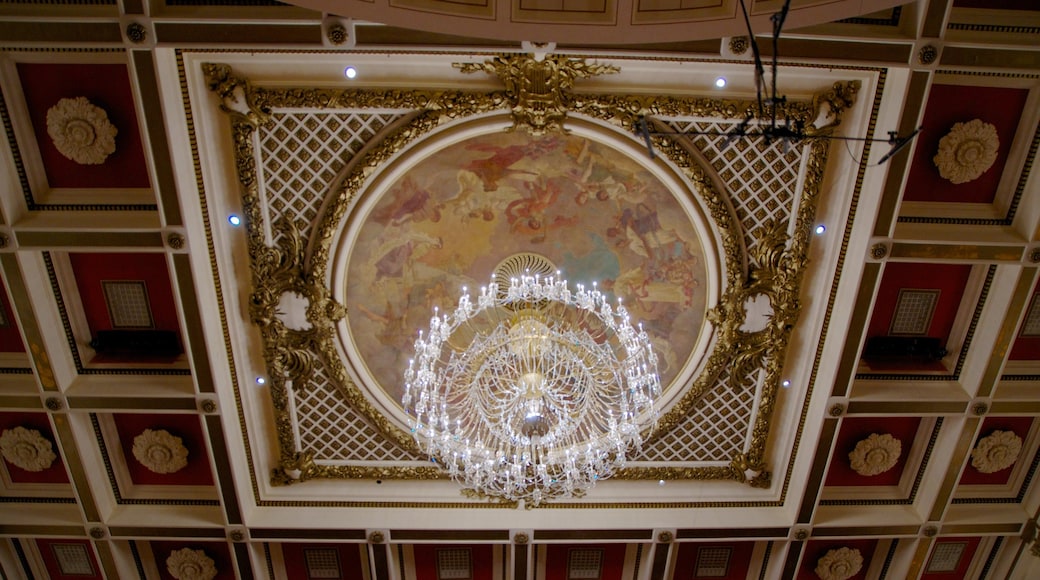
{"x":538,"y":89}
{"x":762,"y":261}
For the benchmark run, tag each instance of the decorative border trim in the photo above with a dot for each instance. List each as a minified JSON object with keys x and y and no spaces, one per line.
{"x":1003,"y":28}
{"x":992,"y":558}
{"x":889,"y":557}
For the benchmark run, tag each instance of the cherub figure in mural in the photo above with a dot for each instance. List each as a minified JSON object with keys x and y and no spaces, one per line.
{"x":493,"y":169}
{"x":604,"y":181}
{"x":471,"y":202}
{"x":527,"y":215}
{"x":409,"y":203}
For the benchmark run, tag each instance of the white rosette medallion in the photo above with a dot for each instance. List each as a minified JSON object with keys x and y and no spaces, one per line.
{"x":160,"y":451}
{"x":27,"y":449}
{"x":839,"y":564}
{"x":188,"y":564}
{"x":876,"y":454}
{"x":81,"y":131}
{"x":998,"y":450}
{"x":967,"y":151}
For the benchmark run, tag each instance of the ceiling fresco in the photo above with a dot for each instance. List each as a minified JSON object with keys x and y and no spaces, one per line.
{"x":203,"y":334}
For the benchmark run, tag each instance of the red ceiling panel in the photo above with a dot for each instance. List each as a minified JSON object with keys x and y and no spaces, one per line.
{"x":197,"y":472}
{"x":38,"y":421}
{"x":91,"y":269}
{"x":612,"y":560}
{"x":816,"y":549}
{"x":949,"y":279}
{"x":855,"y":429}
{"x":950,"y":104}
{"x":425,"y":555}
{"x":10,"y":338}
{"x":961,"y":571}
{"x":688,"y":557}
{"x":216,"y":551}
{"x":1028,"y":347}
{"x":69,"y":559}
{"x":348,"y":559}
{"x":1020,"y":426}
{"x":106,"y":86}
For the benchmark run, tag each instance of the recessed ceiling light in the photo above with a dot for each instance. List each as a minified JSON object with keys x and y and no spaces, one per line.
{"x":260,"y":380}
{"x":820,"y":229}
{"x":720,"y":82}
{"x":234,"y":220}
{"x":350,"y":72}
{"x":786,"y":383}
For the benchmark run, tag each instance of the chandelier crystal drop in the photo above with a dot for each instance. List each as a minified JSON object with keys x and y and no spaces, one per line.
{"x":532,"y":392}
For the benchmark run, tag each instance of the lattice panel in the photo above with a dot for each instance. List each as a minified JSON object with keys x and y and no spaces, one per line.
{"x":946,"y":557}
{"x":584,"y":564}
{"x":453,"y":564}
{"x":712,"y":562}
{"x":715,"y":428}
{"x":301,"y":152}
{"x":762,"y":179}
{"x":336,"y":432}
{"x":73,"y":559}
{"x":322,"y":563}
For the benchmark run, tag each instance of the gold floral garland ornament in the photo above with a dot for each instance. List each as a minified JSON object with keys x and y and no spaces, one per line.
{"x":997,"y":451}
{"x":188,"y":564}
{"x":967,"y":151}
{"x":27,"y":449}
{"x":81,"y":131}
{"x":840,"y":564}
{"x":160,"y":452}
{"x":876,"y":454}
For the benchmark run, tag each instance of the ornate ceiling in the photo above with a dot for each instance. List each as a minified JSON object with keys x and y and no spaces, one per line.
{"x":217,"y":249}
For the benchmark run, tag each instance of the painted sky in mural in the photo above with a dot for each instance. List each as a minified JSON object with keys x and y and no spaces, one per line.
{"x":595,"y":213}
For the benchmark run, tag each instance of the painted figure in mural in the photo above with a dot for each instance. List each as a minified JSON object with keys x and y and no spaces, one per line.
{"x":409,"y":202}
{"x":527,"y":215}
{"x":594,"y":212}
{"x":493,"y":169}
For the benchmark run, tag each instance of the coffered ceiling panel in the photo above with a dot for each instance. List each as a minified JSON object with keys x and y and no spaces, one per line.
{"x":275,"y":231}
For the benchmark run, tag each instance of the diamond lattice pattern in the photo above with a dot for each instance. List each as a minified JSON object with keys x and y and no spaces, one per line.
{"x":336,"y":432}
{"x":300,"y":153}
{"x":715,"y":428}
{"x":761,"y":179}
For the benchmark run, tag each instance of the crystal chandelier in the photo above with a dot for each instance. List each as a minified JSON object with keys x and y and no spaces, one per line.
{"x":532,"y":392}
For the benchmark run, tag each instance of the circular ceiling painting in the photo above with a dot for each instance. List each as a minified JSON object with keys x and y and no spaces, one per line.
{"x":450,"y":218}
